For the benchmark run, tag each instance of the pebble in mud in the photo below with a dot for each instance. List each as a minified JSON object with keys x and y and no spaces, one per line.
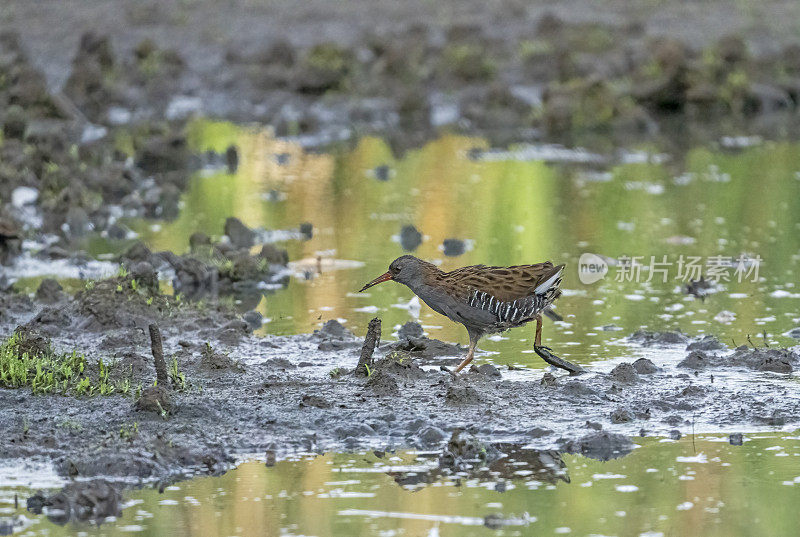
{"x":453,"y":247}
{"x":736,"y":439}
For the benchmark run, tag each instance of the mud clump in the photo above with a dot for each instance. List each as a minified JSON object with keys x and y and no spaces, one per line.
{"x":459,"y":394}
{"x":463,"y":451}
{"x":696,"y":360}
{"x":81,"y":501}
{"x":411,"y":339}
{"x":334,"y":336}
{"x":625,"y":373}
{"x":651,"y":339}
{"x":621,"y":415}
{"x":154,"y":399}
{"x":213,"y":360}
{"x":774,"y":360}
{"x":393,"y":371}
{"x":706,"y":344}
{"x":240,"y":235}
{"x":29,"y":341}
{"x":315,"y":401}
{"x":49,"y":291}
{"x":601,"y":445}
{"x":643,"y":366}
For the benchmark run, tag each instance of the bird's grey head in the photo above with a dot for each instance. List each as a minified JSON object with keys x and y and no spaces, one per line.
{"x":406,"y":269}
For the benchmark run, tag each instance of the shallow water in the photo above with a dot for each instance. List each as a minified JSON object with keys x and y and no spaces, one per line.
{"x":511,"y":207}
{"x":692,"y":486}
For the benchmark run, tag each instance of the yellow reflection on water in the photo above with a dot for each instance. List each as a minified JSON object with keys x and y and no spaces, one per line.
{"x":701,"y":486}
{"x":511,"y":212}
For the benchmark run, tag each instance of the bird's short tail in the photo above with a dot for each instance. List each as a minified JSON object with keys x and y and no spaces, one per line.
{"x":552,"y":281}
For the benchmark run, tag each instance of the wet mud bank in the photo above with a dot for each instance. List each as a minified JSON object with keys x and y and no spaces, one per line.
{"x":232,"y":395}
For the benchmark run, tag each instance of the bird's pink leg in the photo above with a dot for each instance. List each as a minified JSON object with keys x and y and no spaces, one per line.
{"x":473,"y":342}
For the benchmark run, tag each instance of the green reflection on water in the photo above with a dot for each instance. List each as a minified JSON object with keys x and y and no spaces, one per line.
{"x":514,"y":212}
{"x":689,"y":487}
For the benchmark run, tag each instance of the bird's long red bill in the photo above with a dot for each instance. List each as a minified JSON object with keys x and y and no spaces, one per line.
{"x":380,"y":279}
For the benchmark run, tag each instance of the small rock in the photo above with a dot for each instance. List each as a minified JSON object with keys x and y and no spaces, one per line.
{"x":154,"y":399}
{"x":621,"y":415}
{"x":199,"y":240}
{"x":410,"y":238}
{"x":382,"y":172}
{"x":240,"y":235}
{"x":232,"y":159}
{"x":410,"y":330}
{"x":488,"y":369}
{"x":453,"y":247}
{"x":49,"y":291}
{"x":548,"y":379}
{"x":601,"y":445}
{"x":254,"y":319}
{"x":675,"y":434}
{"x":431,"y":436}
{"x":625,"y":373}
{"x":306,"y":230}
{"x":707,"y":343}
{"x":643,"y":366}
{"x":695,"y":360}
{"x":736,"y":439}
{"x":315,"y":401}
{"x":462,"y":395}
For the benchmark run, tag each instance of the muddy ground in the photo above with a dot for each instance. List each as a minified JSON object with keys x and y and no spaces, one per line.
{"x":95,"y":96}
{"x":245,"y":395}
{"x":509,"y":70}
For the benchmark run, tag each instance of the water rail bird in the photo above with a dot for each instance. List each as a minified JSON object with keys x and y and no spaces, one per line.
{"x":486,"y":300}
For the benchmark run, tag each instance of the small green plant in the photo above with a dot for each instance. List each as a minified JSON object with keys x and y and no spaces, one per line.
{"x":369,"y":370}
{"x":71,"y":425}
{"x":149,"y":301}
{"x":129,"y":432}
{"x":176,"y":376}
{"x":45,"y":371}
{"x":122,"y":272}
{"x":336,"y":373}
{"x":134,"y":285}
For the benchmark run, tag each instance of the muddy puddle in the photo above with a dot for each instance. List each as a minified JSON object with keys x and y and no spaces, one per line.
{"x":460,"y":202}
{"x":694,"y":485}
{"x":267,"y":365}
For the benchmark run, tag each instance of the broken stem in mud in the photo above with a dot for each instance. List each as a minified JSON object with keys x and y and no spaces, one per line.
{"x":157,"y":347}
{"x":371,"y":341}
